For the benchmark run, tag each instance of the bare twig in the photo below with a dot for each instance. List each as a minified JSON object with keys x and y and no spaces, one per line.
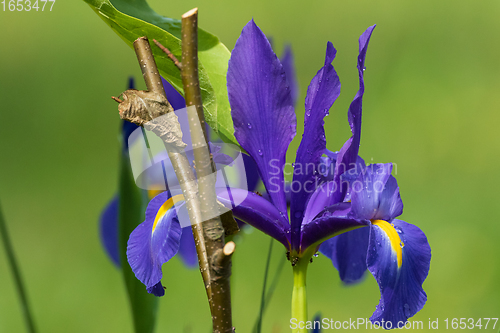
{"x":142,"y":115}
{"x":116,"y":99}
{"x":222,"y":259}
{"x":176,"y":62}
{"x":213,"y":228}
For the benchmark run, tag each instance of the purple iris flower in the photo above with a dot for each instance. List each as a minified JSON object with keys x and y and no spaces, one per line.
{"x":323,"y":204}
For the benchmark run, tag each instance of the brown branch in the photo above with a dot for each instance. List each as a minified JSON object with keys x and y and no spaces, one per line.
{"x":142,"y":107}
{"x":176,"y":62}
{"x":116,"y":99}
{"x":205,"y":169}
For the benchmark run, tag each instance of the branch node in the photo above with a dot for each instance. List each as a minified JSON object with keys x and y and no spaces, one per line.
{"x":221,"y":262}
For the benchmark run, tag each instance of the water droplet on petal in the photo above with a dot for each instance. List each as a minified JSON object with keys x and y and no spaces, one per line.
{"x":260,"y":152}
{"x":407,"y":310}
{"x":249,"y":126}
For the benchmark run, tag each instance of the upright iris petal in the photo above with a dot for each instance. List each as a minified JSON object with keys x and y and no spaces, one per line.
{"x":287,"y":60}
{"x":334,"y":190}
{"x":261,"y":107}
{"x":349,"y":152}
{"x":321,"y":94}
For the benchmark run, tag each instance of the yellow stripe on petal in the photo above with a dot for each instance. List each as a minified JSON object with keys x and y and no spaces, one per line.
{"x":396,"y":243}
{"x":166,"y":207}
{"x":154,"y":192}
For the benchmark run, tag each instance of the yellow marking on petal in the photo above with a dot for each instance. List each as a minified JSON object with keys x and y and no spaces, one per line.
{"x":393,"y":235}
{"x":165,"y":208}
{"x":154,"y":192}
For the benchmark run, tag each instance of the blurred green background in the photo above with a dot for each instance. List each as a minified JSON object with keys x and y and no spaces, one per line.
{"x":431,"y":106}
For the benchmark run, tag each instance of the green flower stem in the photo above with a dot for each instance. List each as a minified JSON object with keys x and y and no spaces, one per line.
{"x":299,"y":296}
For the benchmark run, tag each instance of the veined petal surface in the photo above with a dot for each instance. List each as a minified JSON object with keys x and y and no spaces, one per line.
{"x":261,"y":108}
{"x":399,"y":259}
{"x":333,"y":221}
{"x":375,"y":194}
{"x":256,"y":211}
{"x":154,"y":241}
{"x":348,"y":253}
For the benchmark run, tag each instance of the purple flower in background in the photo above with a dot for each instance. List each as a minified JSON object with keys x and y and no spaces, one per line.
{"x":109,"y":217}
{"x":323,"y":204}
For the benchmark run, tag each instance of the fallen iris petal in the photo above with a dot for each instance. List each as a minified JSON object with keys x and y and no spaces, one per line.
{"x":399,"y":259}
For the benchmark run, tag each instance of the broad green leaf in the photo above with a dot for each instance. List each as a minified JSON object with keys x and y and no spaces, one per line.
{"x":131,"y":212}
{"x":132,"y":19}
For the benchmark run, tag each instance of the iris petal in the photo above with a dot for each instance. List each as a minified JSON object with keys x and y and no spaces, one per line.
{"x":154,"y":242}
{"x":349,"y":152}
{"x":318,"y":201}
{"x":288,"y":65}
{"x":400,"y":279}
{"x":321,"y":94}
{"x":109,"y":230}
{"x":348,"y":253}
{"x":256,"y":211}
{"x":261,"y":108}
{"x":333,"y":221}
{"x":375,"y":194}
{"x":173,"y":96}
{"x":187,"y":248}
{"x":252,"y":173}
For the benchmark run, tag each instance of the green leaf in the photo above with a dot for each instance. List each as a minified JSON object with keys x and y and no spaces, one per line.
{"x":131,"y":212}
{"x":132,"y":19}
